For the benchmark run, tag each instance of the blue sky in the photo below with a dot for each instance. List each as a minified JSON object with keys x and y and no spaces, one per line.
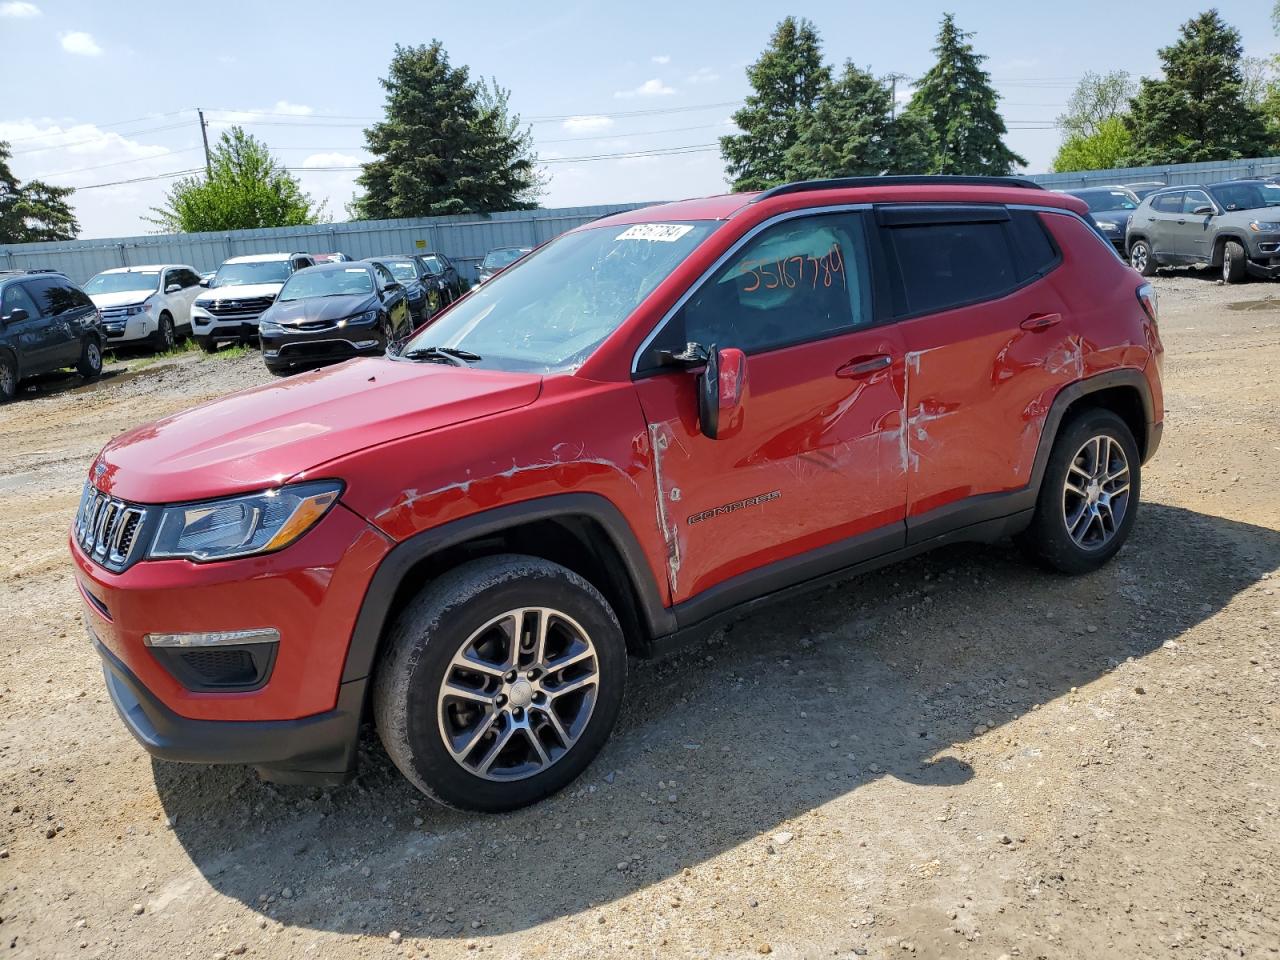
{"x":100,"y":92}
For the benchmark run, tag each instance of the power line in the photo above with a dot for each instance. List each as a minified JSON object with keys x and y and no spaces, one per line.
{"x":119,"y":163}
{"x":104,"y":126}
{"x":77,"y":143}
{"x":158,"y":176}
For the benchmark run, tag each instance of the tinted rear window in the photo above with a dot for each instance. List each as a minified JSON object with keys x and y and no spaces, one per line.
{"x":944,"y":265}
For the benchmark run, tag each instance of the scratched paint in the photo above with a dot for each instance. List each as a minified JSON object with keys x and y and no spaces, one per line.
{"x":660,"y":439}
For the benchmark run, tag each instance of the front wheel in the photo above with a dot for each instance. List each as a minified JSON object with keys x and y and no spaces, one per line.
{"x":90,"y":363}
{"x":163,"y":339}
{"x":1088,"y":496}
{"x":1141,"y":258}
{"x":1233,"y":265}
{"x":500,"y":683}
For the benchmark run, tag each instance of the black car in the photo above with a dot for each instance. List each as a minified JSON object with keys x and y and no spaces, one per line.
{"x":1111,"y":208}
{"x":499,"y":259}
{"x":46,"y":323}
{"x":1144,"y":187}
{"x":417,"y":282}
{"x":449,"y":285}
{"x":331,"y":312}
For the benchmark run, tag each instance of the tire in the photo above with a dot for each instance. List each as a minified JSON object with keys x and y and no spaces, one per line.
{"x":164,"y":338}
{"x":1060,"y":512}
{"x":1141,"y":258}
{"x":207,"y":344}
{"x":8,"y":377}
{"x":1233,"y":262}
{"x":491,"y":763}
{"x":90,"y":363}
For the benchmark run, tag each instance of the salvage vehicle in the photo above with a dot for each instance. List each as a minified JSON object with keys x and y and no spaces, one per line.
{"x":648,"y":426}
{"x":499,"y":259}
{"x":448,"y":282}
{"x":239,"y":294}
{"x":46,"y":323}
{"x":150,"y":304}
{"x":1232,"y":226}
{"x":416,"y":281}
{"x":332,"y":312}
{"x":1111,"y":208}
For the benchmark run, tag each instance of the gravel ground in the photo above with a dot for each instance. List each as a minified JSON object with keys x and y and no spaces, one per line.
{"x":956,"y":756}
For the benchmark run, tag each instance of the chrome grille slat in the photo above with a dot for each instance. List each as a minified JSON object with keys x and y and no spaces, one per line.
{"x":107,"y":528}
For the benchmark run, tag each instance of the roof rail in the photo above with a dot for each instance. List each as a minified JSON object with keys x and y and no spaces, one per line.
{"x":915,"y":180}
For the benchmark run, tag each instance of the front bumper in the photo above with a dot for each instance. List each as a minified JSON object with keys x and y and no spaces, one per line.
{"x":120,"y":331}
{"x":219,"y":330}
{"x":1263,"y":271}
{"x":295,"y":348}
{"x":319,"y":749}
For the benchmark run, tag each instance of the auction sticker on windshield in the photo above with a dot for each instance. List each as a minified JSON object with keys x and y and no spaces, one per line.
{"x":662,"y":232}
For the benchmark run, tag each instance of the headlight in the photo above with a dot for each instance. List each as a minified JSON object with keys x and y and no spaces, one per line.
{"x":1106,"y":226}
{"x":243,"y":526}
{"x":269,"y":326}
{"x":1263,"y":226}
{"x":369,"y":316}
{"x":199,"y":308}
{"x":134,"y":309}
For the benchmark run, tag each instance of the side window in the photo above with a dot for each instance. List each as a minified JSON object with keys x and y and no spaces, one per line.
{"x":1036,"y":252}
{"x":188,"y":278}
{"x":15,"y":298}
{"x":798,"y":280}
{"x":170,"y":276}
{"x":1168,"y":203}
{"x":944,"y":265}
{"x":55,"y":297}
{"x":1193,"y":199}
{"x":384,"y":275}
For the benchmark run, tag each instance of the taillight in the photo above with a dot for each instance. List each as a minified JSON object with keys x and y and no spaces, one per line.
{"x":1147,"y":297}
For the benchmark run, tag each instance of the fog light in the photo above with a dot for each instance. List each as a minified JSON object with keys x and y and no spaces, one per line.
{"x":365,"y":344}
{"x":214,"y":638}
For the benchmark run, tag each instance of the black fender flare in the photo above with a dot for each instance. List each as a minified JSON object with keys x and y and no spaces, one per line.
{"x":371,"y":621}
{"x":1220,"y":245}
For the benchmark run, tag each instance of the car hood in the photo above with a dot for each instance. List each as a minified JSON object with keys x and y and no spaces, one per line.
{"x":244,"y":291}
{"x":262,"y":437}
{"x":122,"y":299}
{"x":320,"y":308}
{"x":1112,"y":216}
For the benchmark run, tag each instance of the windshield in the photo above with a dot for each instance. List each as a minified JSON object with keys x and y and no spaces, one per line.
{"x":402,"y":270}
{"x":550,"y":311}
{"x":139,"y":280}
{"x":327,"y":283}
{"x":1099,"y":200}
{"x":1246,"y":196}
{"x":495,"y":259}
{"x":241,"y":274}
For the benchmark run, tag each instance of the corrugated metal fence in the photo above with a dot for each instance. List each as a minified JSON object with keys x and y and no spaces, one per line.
{"x":464,"y":239}
{"x":1171,"y":174}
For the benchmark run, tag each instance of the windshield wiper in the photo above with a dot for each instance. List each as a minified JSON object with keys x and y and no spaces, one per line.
{"x":453,"y":355}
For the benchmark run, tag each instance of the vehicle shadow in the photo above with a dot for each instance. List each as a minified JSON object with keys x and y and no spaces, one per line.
{"x":807,"y":701}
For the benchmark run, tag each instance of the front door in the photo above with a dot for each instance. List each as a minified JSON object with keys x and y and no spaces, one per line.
{"x":30,"y":336}
{"x":1195,"y":230}
{"x":819,"y":458}
{"x":1166,"y":211}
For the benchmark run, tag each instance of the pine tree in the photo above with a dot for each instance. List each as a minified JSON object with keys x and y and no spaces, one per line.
{"x":247,"y":189}
{"x":787,"y":82}
{"x":1198,"y":112}
{"x":447,"y":145}
{"x":33,"y":211}
{"x":852,"y":132}
{"x":956,"y":103}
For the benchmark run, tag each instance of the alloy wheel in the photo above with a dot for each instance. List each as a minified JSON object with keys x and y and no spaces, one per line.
{"x":8,"y":379}
{"x":94,"y":356}
{"x":518,"y":694}
{"x":1095,"y":495}
{"x":1138,"y":257}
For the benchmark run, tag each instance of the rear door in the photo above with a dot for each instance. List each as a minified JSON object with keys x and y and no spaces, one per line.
{"x":984,"y":344}
{"x":818,"y":459}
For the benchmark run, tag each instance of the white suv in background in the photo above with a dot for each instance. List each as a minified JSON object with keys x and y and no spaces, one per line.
{"x":149,"y":304}
{"x":238,"y":294}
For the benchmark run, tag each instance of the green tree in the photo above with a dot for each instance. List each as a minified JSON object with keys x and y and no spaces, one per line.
{"x":1102,"y":150}
{"x":1098,"y":97}
{"x":957,"y":105}
{"x":33,"y":211}
{"x":447,"y":145}
{"x":246,"y":189}
{"x":1198,"y":111}
{"x":852,"y":132}
{"x":787,"y":81}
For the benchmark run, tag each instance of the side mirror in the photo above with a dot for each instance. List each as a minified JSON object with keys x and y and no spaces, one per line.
{"x":722,"y":386}
{"x":173,"y":288}
{"x":1204,"y":210}
{"x":17,"y":316}
{"x":393,"y":286}
{"x":205,"y":284}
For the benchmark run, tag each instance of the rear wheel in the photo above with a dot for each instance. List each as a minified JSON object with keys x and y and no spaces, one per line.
{"x":90,"y":362}
{"x":1233,"y":265}
{"x":8,"y":377}
{"x":1141,"y":258}
{"x":500,"y":683}
{"x":1088,"y":496}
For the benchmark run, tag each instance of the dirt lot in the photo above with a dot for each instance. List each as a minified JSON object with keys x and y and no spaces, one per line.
{"x":957,"y":756}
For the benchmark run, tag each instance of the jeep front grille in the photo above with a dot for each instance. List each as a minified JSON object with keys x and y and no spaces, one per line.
{"x":107,"y":529}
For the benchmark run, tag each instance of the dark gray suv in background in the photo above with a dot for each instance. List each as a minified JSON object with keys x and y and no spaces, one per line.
{"x":46,"y":323}
{"x":1233,"y":226}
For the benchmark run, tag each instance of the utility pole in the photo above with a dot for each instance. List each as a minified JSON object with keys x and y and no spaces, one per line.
{"x":204,"y":134}
{"x":893,"y":79}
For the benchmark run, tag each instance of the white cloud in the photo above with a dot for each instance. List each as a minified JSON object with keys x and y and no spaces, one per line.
{"x":81,"y":43}
{"x":18,"y":10}
{"x":330,"y":160}
{"x":661,"y":58}
{"x":587,"y":124}
{"x":222,"y":119}
{"x":650,"y":88}
{"x":703,"y":75}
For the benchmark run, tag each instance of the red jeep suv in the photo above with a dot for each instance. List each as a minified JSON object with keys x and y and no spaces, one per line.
{"x":643,"y":428}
